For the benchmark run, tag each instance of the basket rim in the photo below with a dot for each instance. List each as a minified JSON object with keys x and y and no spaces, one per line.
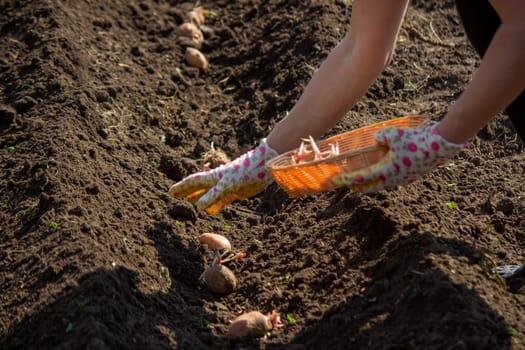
{"x":272,"y":167}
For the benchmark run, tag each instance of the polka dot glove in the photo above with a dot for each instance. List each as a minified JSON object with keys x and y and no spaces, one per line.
{"x":241,"y":178}
{"x":412,"y":153}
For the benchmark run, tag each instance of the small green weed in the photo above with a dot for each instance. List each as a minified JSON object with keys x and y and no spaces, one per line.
{"x":452,"y":205}
{"x":291,"y":318}
{"x":165,"y":273}
{"x":52,"y":224}
{"x":69,"y":327}
{"x":512,"y":332}
{"x":29,"y":210}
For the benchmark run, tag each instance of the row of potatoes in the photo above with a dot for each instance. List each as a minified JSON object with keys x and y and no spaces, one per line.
{"x":191,"y":35}
{"x":220,"y":279}
{"x":217,"y":276}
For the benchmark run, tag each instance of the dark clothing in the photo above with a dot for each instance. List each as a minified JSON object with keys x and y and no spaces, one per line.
{"x":481,"y":22}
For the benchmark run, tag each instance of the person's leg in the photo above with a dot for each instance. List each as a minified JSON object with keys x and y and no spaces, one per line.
{"x":481,"y":21}
{"x":516,"y":112}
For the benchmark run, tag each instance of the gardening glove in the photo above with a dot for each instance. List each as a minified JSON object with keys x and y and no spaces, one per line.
{"x":412,"y":153}
{"x":241,"y":178}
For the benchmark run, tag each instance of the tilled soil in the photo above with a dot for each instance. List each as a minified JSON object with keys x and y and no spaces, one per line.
{"x":100,"y":114}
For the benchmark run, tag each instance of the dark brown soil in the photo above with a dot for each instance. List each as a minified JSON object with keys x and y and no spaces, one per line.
{"x":100,"y":114}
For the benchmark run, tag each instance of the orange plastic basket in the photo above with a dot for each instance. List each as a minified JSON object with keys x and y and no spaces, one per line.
{"x":357,"y":149}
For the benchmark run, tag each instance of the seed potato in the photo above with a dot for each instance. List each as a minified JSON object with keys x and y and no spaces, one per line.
{"x":220,"y":279}
{"x":214,"y":241}
{"x":253,"y":324}
{"x":195,"y":58}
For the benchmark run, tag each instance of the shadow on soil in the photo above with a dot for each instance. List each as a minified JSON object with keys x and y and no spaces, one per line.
{"x":407,"y":291}
{"x":407,"y":294}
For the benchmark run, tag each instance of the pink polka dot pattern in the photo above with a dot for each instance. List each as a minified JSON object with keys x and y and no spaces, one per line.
{"x":241,"y":178}
{"x":413,"y":153}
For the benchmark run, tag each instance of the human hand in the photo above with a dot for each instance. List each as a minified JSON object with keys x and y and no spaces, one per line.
{"x":412,"y":153}
{"x":241,"y":178}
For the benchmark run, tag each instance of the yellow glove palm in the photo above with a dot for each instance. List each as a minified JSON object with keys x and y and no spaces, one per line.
{"x":242,"y":178}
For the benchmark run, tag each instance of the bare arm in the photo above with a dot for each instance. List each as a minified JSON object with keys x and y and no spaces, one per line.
{"x":345,"y":75}
{"x":499,"y":79}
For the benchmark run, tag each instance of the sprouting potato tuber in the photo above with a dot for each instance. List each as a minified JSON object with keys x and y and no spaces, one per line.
{"x":220,"y":279}
{"x":310,"y":151}
{"x":214,"y":241}
{"x":195,"y":58}
{"x":254,"y":324}
{"x":214,"y":158}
